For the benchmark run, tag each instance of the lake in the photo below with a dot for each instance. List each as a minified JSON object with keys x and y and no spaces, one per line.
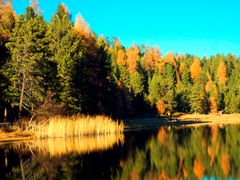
{"x":169,"y":152}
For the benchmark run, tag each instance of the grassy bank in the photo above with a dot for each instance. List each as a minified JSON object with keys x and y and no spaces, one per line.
{"x":62,"y":127}
{"x":71,"y":126}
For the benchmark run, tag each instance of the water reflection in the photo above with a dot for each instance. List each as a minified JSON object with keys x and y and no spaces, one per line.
{"x":57,"y":158}
{"x":78,"y":145}
{"x":169,"y":153}
{"x":186,"y":153}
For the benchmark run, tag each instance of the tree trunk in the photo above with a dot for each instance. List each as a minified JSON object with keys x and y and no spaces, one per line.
{"x":5,"y":115}
{"x":21,"y":95}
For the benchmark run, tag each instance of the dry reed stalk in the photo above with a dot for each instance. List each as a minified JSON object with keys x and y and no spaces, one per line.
{"x":58,"y":126}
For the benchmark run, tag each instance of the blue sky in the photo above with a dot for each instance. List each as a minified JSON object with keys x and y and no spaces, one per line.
{"x":201,"y":27}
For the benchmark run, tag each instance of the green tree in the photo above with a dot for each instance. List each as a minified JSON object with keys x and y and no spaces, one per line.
{"x":232,"y":99}
{"x":183,"y":90}
{"x":26,"y":45}
{"x":198,"y":98}
{"x":162,"y":87}
{"x":64,"y":51}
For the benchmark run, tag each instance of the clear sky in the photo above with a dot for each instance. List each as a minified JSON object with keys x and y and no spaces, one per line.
{"x":200,"y":27}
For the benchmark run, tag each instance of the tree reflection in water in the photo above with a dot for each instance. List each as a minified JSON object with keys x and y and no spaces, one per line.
{"x":169,"y":153}
{"x":188,"y":153}
{"x":56,"y":158}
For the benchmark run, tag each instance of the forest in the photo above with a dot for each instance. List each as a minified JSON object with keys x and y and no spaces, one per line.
{"x":65,"y":64}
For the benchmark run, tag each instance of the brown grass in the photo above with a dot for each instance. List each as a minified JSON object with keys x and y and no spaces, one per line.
{"x":59,"y":126}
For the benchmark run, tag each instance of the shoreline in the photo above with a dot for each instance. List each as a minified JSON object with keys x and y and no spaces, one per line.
{"x":186,"y":120}
{"x":182,"y":121}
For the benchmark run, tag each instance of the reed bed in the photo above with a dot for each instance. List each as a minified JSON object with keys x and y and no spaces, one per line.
{"x":57,"y":147}
{"x":58,"y":126}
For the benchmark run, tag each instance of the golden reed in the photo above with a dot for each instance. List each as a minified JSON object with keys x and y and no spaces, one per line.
{"x":58,"y":126}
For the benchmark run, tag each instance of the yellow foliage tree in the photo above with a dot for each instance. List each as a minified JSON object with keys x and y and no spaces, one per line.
{"x":213,"y":99}
{"x":121,"y":57}
{"x":152,"y":59}
{"x":132,"y":57}
{"x":7,"y":19}
{"x":160,"y":106}
{"x":209,"y":83}
{"x":222,"y":73}
{"x":195,"y":69}
{"x":81,"y":27}
{"x":170,"y":58}
{"x":181,"y":68}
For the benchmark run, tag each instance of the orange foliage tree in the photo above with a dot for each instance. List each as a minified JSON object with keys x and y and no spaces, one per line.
{"x":121,"y":60}
{"x":213,"y":99}
{"x":195,"y":69}
{"x":170,"y":58}
{"x":222,"y":73}
{"x":7,"y":19}
{"x":209,"y":82}
{"x":181,"y":68}
{"x":81,"y":27}
{"x":161,"y":106}
{"x":152,"y":58}
{"x":132,"y":57}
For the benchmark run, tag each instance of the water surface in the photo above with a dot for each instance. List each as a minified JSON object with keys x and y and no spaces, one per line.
{"x":170,"y":152}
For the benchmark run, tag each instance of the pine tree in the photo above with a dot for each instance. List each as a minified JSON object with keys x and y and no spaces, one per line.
{"x":161,"y":88}
{"x":65,"y":52}
{"x":198,"y":96}
{"x":26,"y":45}
{"x":183,"y":89}
{"x":232,"y":99}
{"x":136,"y":81}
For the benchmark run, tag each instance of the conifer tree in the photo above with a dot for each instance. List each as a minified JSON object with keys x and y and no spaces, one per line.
{"x":161,"y":88}
{"x":65,"y":51}
{"x":26,"y":45}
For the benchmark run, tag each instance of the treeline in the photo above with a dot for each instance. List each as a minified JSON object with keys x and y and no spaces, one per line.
{"x":69,"y":65}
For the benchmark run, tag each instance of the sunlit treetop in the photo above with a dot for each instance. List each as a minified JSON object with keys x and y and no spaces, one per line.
{"x":81,"y":27}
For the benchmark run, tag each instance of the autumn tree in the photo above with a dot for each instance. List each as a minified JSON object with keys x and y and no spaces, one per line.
{"x":81,"y":27}
{"x":214,"y":98}
{"x":195,"y":69}
{"x":7,"y":21}
{"x":132,"y":58}
{"x":152,"y":59}
{"x":222,"y":73}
